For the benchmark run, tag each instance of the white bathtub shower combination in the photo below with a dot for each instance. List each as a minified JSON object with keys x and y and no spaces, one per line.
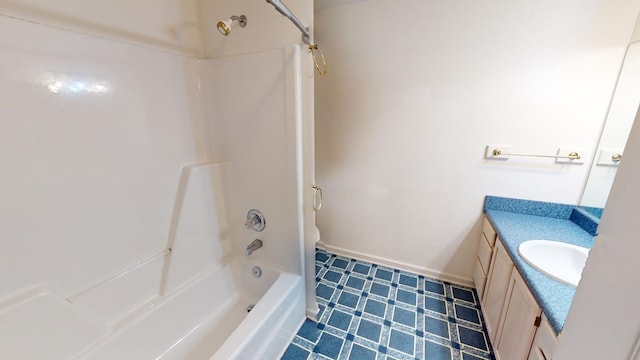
{"x":127,"y":180}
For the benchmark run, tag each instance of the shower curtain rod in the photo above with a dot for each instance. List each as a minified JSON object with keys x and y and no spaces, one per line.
{"x":284,"y":10}
{"x":306,"y":35}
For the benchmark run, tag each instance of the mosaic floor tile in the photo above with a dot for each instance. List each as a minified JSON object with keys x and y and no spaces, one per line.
{"x":329,"y":345}
{"x":472,"y":337}
{"x":434,"y":287}
{"x":340,"y":320}
{"x":369,"y":330}
{"x":404,"y":317}
{"x":309,"y":330}
{"x":384,"y":274}
{"x":469,"y":357}
{"x":295,"y":352}
{"x":324,"y":291}
{"x":356,"y":283}
{"x":373,"y":312}
{"x":462,"y":294}
{"x":362,"y":269}
{"x":437,"y":351}
{"x":339,"y":263}
{"x":348,"y":299}
{"x":322,"y":256}
{"x":380,"y":289}
{"x":376,"y":308}
{"x":436,"y":327}
{"x":436,"y":305}
{"x":467,"y":313}
{"x":407,"y":280}
{"x":406,"y":297}
{"x":361,"y":353}
{"x":333,"y":276}
{"x":402,"y":342}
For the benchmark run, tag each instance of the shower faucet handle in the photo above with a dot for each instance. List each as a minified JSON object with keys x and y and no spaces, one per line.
{"x":255,"y":220}
{"x":251,"y":222}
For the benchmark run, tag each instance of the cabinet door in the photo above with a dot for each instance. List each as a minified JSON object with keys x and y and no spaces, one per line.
{"x":489,"y":232}
{"x":479,"y":278}
{"x":496,"y":289}
{"x":545,"y":342}
{"x":517,"y":324}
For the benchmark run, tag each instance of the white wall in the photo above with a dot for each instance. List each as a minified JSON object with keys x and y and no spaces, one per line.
{"x":418,"y":88}
{"x":89,"y":178}
{"x":604,"y":319}
{"x":164,"y":24}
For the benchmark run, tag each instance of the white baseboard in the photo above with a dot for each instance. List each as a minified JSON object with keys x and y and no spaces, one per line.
{"x":312,"y":314}
{"x":321,"y":245}
{"x":454,"y":279}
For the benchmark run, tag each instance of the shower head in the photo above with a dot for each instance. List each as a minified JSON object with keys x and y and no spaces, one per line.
{"x":224,"y":26}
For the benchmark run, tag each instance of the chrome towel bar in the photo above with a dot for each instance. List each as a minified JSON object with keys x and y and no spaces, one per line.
{"x":572,"y":155}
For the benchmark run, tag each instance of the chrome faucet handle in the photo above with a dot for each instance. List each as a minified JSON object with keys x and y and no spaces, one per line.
{"x":255,"y":220}
{"x":251,"y":222}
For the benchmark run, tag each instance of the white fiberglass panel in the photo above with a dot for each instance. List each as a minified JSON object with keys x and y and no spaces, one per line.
{"x":252,"y":128}
{"x":93,"y":134}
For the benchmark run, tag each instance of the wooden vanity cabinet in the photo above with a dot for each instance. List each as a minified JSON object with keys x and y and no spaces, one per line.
{"x":496,"y":290}
{"x":483,"y":260}
{"x":512,"y":315}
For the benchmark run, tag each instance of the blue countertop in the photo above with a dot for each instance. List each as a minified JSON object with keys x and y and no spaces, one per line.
{"x":514,"y":228}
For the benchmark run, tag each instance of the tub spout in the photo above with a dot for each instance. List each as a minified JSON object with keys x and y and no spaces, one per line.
{"x":255,"y":245}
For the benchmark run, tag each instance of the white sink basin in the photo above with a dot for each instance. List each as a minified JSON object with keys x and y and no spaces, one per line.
{"x":560,"y":261}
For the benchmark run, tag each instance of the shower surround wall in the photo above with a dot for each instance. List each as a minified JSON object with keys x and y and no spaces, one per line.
{"x":89,"y":177}
{"x":252,"y":129}
{"x":261,"y":113}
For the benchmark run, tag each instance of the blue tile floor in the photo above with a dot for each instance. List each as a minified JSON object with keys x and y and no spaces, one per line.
{"x":368,"y":311}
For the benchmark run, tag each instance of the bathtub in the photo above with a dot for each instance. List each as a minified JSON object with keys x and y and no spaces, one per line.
{"x":207,"y":318}
{"x":188,"y":301}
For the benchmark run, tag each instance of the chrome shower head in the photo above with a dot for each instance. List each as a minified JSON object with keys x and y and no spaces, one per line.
{"x":224,"y":26}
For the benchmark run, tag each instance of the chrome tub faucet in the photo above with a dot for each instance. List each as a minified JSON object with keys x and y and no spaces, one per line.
{"x":255,"y":245}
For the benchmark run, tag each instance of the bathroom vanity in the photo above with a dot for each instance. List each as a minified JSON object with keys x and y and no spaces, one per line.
{"x":524,"y":309}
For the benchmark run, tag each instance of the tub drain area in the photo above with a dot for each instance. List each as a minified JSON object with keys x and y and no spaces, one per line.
{"x":256,"y":271}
